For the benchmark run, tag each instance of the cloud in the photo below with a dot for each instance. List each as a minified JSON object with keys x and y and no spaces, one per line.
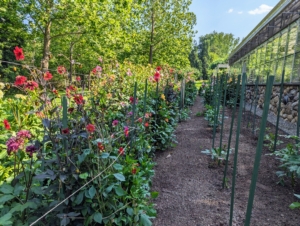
{"x":240,"y":12}
{"x":230,"y":10}
{"x":261,"y":9}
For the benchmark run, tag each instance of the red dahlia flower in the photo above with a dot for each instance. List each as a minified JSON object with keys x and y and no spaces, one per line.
{"x":48,"y":76}
{"x":6,"y":124}
{"x":90,"y":128}
{"x":61,"y":70}
{"x":18,"y":53}
{"x":121,"y":151}
{"x":20,"y":80}
{"x":100,"y":146}
{"x":126,"y":131}
{"x":31,"y":85}
{"x":79,"y":99}
{"x":156,"y":76}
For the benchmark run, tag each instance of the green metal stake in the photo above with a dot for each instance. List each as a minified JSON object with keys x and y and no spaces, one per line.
{"x":244,"y":96}
{"x":278,"y":110}
{"x":255,"y":104}
{"x":298,"y":121}
{"x":216,"y":108}
{"x":133,"y":113}
{"x":237,"y":147}
{"x":259,"y":149}
{"x":145,"y":96}
{"x":253,"y":100}
{"x":223,"y":112}
{"x":231,"y":128}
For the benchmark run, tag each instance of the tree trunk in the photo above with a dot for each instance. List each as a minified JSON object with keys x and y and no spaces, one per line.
{"x":151,"y":39}
{"x":46,"y":49}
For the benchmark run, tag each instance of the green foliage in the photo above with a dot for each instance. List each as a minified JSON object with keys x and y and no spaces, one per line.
{"x":217,"y":154}
{"x":76,"y":150}
{"x":290,"y":159}
{"x":213,"y":49}
{"x":270,"y":139}
{"x":295,"y":205}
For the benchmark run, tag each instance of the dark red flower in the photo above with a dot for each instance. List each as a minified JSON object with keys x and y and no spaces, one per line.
{"x":78,"y":99}
{"x":65,"y":131}
{"x":131,"y":99}
{"x":70,"y":110}
{"x":90,"y":128}
{"x":94,"y":71}
{"x":55,"y":91}
{"x":140,"y":120}
{"x":126,"y":131}
{"x":100,"y":146}
{"x":121,"y":151}
{"x":72,"y":88}
{"x":61,"y":70}
{"x":146,"y":124}
{"x":156,"y":76}
{"x":48,"y":76}
{"x":6,"y":124}
{"x":158,"y":68}
{"x":18,"y":53}
{"x":30,"y":150}
{"x":20,"y":80}
{"x":31,"y":85}
{"x":133,"y":171}
{"x":78,"y":78}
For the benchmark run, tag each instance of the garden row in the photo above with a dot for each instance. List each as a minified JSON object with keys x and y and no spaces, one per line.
{"x":231,"y":92}
{"x":76,"y":156}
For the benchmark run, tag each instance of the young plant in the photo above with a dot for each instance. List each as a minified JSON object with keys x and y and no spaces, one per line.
{"x":295,"y":205}
{"x":217,"y":154}
{"x":290,"y":159}
{"x":270,"y":138}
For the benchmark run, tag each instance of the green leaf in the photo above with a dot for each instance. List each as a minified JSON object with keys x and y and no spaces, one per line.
{"x":129,"y":211}
{"x":18,"y":188}
{"x":83,"y":175}
{"x":118,"y":166}
{"x":145,"y":220}
{"x":79,"y":198}
{"x":5,"y":198}
{"x":119,"y":176}
{"x":98,"y":217}
{"x":298,"y":196}
{"x":5,"y":220}
{"x":154,"y":194}
{"x":6,"y":189}
{"x":295,"y":205}
{"x":92,"y":191}
{"x":119,"y":191}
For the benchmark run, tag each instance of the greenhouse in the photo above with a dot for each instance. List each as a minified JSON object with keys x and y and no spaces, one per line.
{"x":273,"y":45}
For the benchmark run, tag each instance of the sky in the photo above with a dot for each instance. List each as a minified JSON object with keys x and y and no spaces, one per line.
{"x":238,"y":17}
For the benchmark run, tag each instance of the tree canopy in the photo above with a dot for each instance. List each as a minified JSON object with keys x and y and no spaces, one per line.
{"x":77,"y":32}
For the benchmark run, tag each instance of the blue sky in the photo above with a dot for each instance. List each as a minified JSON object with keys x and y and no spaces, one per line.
{"x":238,"y":17}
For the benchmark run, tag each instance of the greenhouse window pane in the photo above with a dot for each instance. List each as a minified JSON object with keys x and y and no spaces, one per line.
{"x":269,"y":51}
{"x":275,"y":47}
{"x":282,"y":45}
{"x":279,"y":70}
{"x":288,"y":68}
{"x":292,"y":39}
{"x":296,"y":69}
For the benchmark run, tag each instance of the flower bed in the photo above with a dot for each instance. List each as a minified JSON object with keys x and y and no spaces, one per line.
{"x":78,"y":156}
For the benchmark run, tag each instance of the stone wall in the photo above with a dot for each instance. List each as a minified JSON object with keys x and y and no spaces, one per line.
{"x":289,"y":101}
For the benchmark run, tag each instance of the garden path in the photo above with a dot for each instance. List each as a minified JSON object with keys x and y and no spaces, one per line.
{"x":190,"y":187}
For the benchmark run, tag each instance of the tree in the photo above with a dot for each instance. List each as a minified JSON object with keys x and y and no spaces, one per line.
{"x":214,"y":48}
{"x":195,"y":60}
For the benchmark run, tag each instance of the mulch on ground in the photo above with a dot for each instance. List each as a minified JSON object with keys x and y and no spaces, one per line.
{"x":190,"y":190}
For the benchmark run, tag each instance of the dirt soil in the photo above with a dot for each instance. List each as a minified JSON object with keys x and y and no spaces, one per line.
{"x":190,"y":187}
